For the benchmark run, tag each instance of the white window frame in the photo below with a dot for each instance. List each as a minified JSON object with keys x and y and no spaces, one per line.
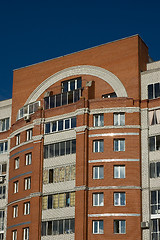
{"x":99,"y":142}
{"x":27,"y":183}
{"x":120,"y":148}
{"x":118,"y":197}
{"x":69,"y":84}
{"x":14,"y":235}
{"x":29,"y":134}
{"x":26,"y":233}
{"x":98,"y":199}
{"x":17,"y":139}
{"x":98,"y":227}
{"x":119,"y":119}
{"x":4,"y":148}
{"x":28,"y":159}
{"x":119,"y":169}
{"x":27,"y":208}
{"x":15,"y":211}
{"x":1,"y":169}
{"x":16,"y":163}
{"x":98,"y":171}
{"x":15,"y":187}
{"x":120,"y":226}
{"x":4,"y":122}
{"x":100,"y":120}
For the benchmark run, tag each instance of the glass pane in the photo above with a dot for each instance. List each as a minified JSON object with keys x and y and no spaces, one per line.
{"x":60,"y":226}
{"x":51,"y":151}
{"x":67,"y":124}
{"x":95,"y":120}
{"x":123,"y":226}
{"x":43,"y":229}
{"x":116,"y":199}
{"x":66,"y":228}
{"x":60,"y":125}
{"x":72,"y":227}
{"x":54,"y":126}
{"x":150,"y":91}
{"x":65,"y":86}
{"x":58,"y":100}
{"x":67,"y":199}
{"x":64,"y":98}
{"x":152,"y":143}
{"x":116,"y":226}
{"x":50,"y":202}
{"x":30,"y":108}
{"x":115,"y":119}
{"x":101,"y":146}
{"x":95,"y":199}
{"x":67,"y":178}
{"x":61,"y":174}
{"x":73,"y":173}
{"x":55,"y":227}
{"x":101,"y":199}
{"x":56,"y":149}
{"x":115,"y":145}
{"x":79,"y":83}
{"x":152,"y":170}
{"x":95,"y":172}
{"x":70,"y":97}
{"x":56,"y":175}
{"x":6,"y":146}
{"x":122,"y":171}
{"x":122,"y":119}
{"x":122,"y":145}
{"x":122,"y":199}
{"x":158,"y":142}
{"x":50,"y":175}
{"x":74,"y":146}
{"x":62,"y":148}
{"x":101,"y":120}
{"x":158,"y":169}
{"x":46,"y":151}
{"x":100,"y":227}
{"x":67,"y":147}
{"x":47,"y":128}
{"x":49,"y":228}
{"x":52,"y":101}
{"x":153,"y":197}
{"x":95,"y":226}
{"x":157,"y":90}
{"x":95,"y":147}
{"x":7,"y":123}
{"x":46,"y":103}
{"x":73,"y":122}
{"x":76,"y":95}
{"x":72,"y":85}
{"x":101,"y":172}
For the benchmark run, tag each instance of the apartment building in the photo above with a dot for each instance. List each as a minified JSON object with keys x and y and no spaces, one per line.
{"x":80,"y":147}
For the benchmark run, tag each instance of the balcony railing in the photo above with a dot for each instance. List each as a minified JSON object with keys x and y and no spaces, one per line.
{"x":62,"y":99}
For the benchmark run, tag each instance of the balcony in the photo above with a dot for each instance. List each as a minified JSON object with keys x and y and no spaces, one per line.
{"x":61,"y":99}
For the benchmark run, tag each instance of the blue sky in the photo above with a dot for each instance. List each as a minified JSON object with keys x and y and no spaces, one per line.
{"x":34,"y":31}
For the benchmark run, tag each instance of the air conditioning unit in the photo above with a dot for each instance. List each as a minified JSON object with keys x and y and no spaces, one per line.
{"x":144,"y":225}
{"x":27,"y":118}
{"x":1,"y":179}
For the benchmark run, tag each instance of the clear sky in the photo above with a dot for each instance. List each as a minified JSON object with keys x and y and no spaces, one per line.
{"x":32,"y":31}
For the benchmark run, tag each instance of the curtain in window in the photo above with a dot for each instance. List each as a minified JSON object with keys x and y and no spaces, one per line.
{"x":61,"y":200}
{"x":55,"y":201}
{"x":151,"y":113}
{"x":45,"y":176}
{"x":62,"y":174}
{"x":44,"y":203}
{"x":56,"y":175}
{"x":72,"y":199}
{"x":73,"y":173}
{"x":158,"y":116}
{"x":68,"y":172}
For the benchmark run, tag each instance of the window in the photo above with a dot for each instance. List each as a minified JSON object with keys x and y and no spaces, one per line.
{"x":154,"y":117}
{"x":153,"y":90}
{"x":98,"y":172}
{"x":2,"y":220}
{"x":98,"y":120}
{"x":98,"y":227}
{"x":109,"y":95}
{"x":119,"y":199}
{"x":60,"y":125}
{"x":98,"y":199}
{"x":71,"y":85}
{"x":154,"y":169}
{"x":27,"y":183}
{"x":119,"y":119}
{"x":57,"y":227}
{"x":15,"y":184}
{"x":3,"y":147}
{"x":59,"y":200}
{"x":155,"y":229}
{"x":17,"y":139}
{"x":120,"y":226}
{"x":28,"y":157}
{"x":154,"y":143}
{"x":155,"y":202}
{"x":14,"y":235}
{"x":16,"y":163}
{"x":27,"y":208}
{"x":3,"y":168}
{"x":26,"y":233}
{"x":15,"y":211}
{"x":28,"y":109}
{"x":4,"y":124}
{"x":29,"y":134}
{"x":60,"y":149}
{"x":98,"y":146}
{"x":119,"y":171}
{"x":119,"y":145}
{"x":2,"y":191}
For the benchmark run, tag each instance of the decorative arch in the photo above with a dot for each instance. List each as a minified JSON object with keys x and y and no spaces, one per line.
{"x":99,"y":72}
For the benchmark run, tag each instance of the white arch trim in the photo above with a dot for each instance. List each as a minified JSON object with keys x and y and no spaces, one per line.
{"x":99,"y":72}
